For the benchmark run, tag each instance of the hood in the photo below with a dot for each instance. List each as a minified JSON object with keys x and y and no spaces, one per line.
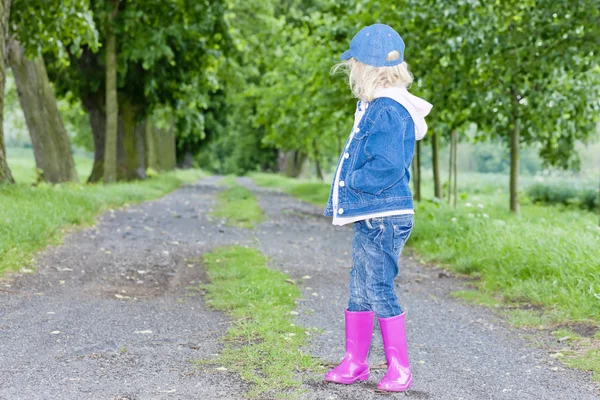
{"x":416,"y":106}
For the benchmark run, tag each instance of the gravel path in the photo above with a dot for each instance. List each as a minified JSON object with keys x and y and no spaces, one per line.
{"x":110,"y":313}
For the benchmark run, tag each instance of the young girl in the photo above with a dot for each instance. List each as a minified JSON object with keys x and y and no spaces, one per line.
{"x":371,"y":190}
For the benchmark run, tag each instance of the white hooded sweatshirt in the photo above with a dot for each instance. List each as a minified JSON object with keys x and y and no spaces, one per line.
{"x":418,"y":110}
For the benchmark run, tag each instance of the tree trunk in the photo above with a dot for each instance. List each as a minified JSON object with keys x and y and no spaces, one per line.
{"x":437,"y":183}
{"x":319,"y":170}
{"x":128,"y":153}
{"x":150,"y":146}
{"x":51,"y":145}
{"x":450,"y":165}
{"x":417,"y":174}
{"x":112,"y":105}
{"x":455,"y":166}
{"x":98,"y":125}
{"x":167,"y":151}
{"x":5,"y":174}
{"x":514,"y":168}
{"x":291,"y":162}
{"x":140,"y":140}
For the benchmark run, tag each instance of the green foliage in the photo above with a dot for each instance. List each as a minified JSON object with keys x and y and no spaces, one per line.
{"x":569,"y":193}
{"x":56,"y":27}
{"x":31,"y":217}
{"x":263,"y":344}
{"x":167,"y":55}
{"x":530,"y":63}
{"x":77,"y":122}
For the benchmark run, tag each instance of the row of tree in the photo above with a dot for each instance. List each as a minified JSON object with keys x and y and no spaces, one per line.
{"x":524,"y":73}
{"x":242,"y":85}
{"x":141,"y":69}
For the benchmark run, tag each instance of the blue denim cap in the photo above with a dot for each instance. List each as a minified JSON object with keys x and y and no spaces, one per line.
{"x":372,"y":45}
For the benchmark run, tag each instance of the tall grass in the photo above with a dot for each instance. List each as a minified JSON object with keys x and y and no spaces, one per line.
{"x":546,"y":257}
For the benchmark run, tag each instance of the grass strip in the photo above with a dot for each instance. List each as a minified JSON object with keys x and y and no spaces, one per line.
{"x":263,"y":344}
{"x":238,"y":206}
{"x":31,"y":217}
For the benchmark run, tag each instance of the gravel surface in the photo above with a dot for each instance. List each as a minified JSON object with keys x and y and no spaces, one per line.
{"x":110,"y":315}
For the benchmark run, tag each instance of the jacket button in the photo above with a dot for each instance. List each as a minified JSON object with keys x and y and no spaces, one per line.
{"x":356,"y":130}
{"x":341,"y":211}
{"x":346,"y":155}
{"x":342,"y":184}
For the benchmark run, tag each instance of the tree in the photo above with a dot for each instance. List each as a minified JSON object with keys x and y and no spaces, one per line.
{"x":51,"y":145}
{"x":5,"y":174}
{"x":303,"y":110}
{"x":534,"y":77}
{"x":46,"y":26}
{"x":167,"y":54}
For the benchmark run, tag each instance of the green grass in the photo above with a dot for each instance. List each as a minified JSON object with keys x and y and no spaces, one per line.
{"x":263,"y":344}
{"x":32,"y":217}
{"x":587,"y":360}
{"x":547,"y":257}
{"x":582,"y":353}
{"x":315,"y":192}
{"x":238,"y":205}
{"x":22,"y":165}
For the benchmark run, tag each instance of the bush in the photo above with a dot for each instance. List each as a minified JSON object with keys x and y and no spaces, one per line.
{"x":579,"y":195}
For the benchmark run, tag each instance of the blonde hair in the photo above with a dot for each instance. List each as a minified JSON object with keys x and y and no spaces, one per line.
{"x":365,"y":79}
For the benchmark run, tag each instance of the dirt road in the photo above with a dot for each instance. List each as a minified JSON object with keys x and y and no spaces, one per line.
{"x":110,"y":313}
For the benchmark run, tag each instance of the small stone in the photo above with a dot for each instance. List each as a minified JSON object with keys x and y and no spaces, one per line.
{"x":54,"y":332}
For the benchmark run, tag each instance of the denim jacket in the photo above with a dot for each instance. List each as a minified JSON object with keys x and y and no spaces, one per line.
{"x":376,"y":162}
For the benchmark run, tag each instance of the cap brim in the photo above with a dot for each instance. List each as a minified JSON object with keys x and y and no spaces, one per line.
{"x":346,"y":55}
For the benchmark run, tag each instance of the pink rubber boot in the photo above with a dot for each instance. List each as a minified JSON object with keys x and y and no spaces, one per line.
{"x":398,"y":377}
{"x":354,"y":367}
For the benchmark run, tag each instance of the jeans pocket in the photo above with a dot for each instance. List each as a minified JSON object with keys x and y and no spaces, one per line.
{"x":402,"y":231}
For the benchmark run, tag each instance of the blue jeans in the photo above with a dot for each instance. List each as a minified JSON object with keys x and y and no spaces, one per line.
{"x":376,"y":247}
